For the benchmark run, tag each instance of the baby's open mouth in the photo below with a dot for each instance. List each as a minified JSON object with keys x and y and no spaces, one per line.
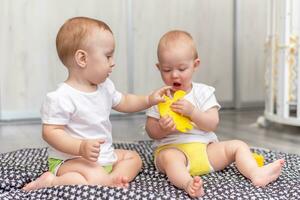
{"x":176,"y":84}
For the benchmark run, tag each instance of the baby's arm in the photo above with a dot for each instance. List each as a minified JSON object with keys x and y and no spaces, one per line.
{"x":56,"y":136}
{"x":160,"y":128}
{"x":134,"y":103}
{"x":207,"y":121}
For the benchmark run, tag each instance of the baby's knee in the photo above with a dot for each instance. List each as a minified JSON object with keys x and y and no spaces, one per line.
{"x":238,"y":144}
{"x":134,"y":156}
{"x":168,"y":155}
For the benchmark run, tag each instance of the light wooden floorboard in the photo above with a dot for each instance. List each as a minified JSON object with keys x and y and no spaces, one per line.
{"x":233,"y":125}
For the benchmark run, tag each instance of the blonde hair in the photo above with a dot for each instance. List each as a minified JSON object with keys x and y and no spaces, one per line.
{"x":175,"y":37}
{"x":73,"y":35}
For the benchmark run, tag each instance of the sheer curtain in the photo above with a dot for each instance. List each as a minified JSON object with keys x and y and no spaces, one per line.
{"x":283,"y":63}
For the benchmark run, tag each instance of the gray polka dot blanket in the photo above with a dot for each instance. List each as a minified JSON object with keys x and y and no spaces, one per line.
{"x":22,"y":166}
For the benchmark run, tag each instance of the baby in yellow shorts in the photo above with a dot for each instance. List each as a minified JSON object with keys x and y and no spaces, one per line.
{"x":183,"y":157}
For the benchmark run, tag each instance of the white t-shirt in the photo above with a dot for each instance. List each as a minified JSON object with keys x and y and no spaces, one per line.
{"x":202,"y":96}
{"x":85,"y":116}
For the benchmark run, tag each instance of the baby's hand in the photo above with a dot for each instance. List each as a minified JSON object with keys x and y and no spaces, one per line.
{"x":183,"y":107}
{"x":90,"y":149}
{"x":157,"y":96}
{"x":167,"y":124}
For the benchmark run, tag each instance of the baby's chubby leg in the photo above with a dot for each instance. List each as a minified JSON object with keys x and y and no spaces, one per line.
{"x":126,"y":168}
{"x":45,"y":180}
{"x":221,"y":154}
{"x":173,"y":163}
{"x":76,"y":171}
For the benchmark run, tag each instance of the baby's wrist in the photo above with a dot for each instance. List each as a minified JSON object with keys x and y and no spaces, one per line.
{"x":148,"y":101}
{"x":166,"y":131}
{"x":81,"y":148}
{"x":192,"y":112}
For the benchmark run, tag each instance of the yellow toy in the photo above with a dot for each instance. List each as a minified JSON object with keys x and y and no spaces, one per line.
{"x":259,"y":159}
{"x":183,"y":124}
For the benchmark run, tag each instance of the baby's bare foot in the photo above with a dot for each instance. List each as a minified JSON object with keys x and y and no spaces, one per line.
{"x":267,"y":174}
{"x":195,"y":187}
{"x":43,"y":181}
{"x":120,"y":182}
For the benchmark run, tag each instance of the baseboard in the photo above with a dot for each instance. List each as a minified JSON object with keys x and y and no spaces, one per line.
{"x":16,"y":116}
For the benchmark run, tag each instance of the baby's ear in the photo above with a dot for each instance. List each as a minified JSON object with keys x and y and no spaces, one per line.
{"x":196,"y":63}
{"x":81,"y":58}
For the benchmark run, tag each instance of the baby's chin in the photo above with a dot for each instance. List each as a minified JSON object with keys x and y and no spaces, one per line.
{"x":174,"y":89}
{"x":100,"y":81}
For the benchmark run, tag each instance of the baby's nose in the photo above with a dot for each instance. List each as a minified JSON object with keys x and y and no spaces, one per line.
{"x":112,"y":64}
{"x":174,"y":73}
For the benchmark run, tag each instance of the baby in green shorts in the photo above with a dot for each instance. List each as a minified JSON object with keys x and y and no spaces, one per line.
{"x":75,"y":116}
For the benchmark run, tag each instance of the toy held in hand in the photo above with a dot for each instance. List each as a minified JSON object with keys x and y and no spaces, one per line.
{"x":183,"y":124}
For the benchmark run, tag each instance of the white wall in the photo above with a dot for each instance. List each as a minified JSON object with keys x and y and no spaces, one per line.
{"x":30,"y":67}
{"x":251,"y":32}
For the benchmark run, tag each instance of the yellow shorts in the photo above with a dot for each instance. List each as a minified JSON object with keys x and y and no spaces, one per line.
{"x":54,"y":164}
{"x":196,"y":155}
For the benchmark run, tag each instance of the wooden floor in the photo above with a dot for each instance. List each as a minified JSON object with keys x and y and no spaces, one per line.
{"x":233,"y":125}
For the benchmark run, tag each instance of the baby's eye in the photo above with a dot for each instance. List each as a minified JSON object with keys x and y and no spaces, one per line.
{"x":182,"y":69}
{"x":166,"y":70}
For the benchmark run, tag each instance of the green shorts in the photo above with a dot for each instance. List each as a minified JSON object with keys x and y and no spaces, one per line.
{"x":54,"y":164}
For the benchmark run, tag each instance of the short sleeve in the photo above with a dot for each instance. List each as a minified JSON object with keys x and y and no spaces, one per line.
{"x":153,"y":112}
{"x":115,"y":95}
{"x":56,"y":110}
{"x":210,"y":103}
{"x":206,"y":98}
